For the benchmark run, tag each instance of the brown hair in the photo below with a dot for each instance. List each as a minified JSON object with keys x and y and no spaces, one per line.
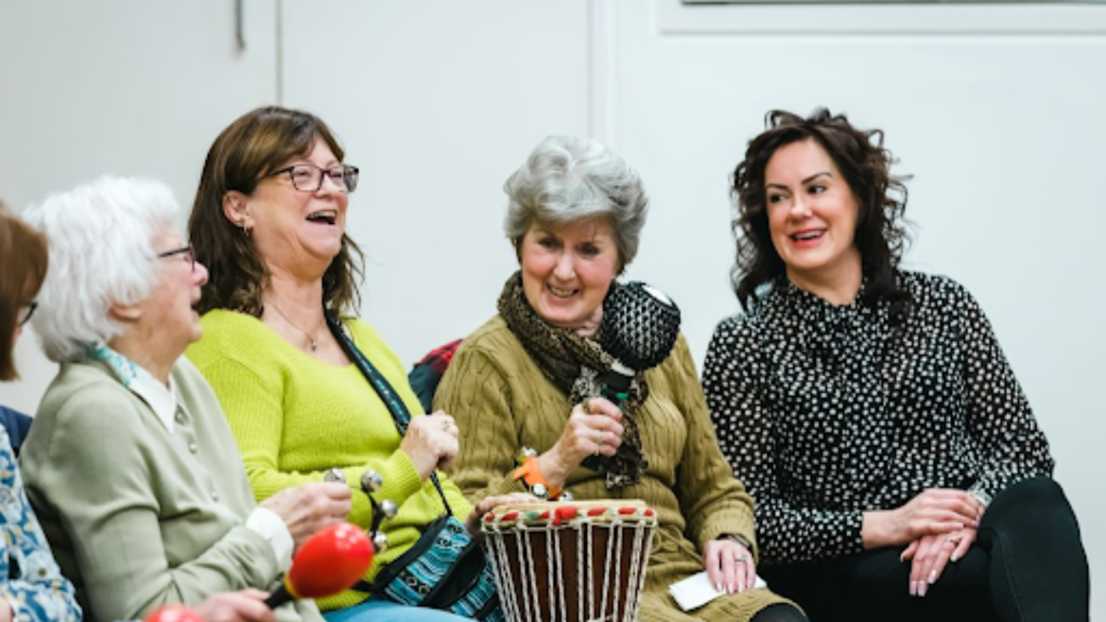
{"x":864,"y":163}
{"x":24,"y":257}
{"x":256,"y":144}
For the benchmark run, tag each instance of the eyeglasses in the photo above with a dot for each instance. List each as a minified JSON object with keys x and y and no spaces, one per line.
{"x":25,"y":313}
{"x":189,"y":255}
{"x":309,"y":178}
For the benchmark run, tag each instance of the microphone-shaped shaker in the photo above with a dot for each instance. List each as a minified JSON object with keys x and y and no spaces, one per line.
{"x":639,"y":329}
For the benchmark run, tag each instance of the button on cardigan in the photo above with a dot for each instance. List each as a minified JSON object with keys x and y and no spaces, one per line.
{"x":134,"y":518}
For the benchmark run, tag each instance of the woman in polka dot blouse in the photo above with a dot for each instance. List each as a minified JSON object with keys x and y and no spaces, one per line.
{"x":896,"y":464}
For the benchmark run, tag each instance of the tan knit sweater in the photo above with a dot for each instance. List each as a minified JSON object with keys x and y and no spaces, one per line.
{"x":502,"y":403}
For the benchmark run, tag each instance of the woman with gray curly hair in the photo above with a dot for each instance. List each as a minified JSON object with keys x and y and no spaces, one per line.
{"x":574,"y":216}
{"x":130,"y":464}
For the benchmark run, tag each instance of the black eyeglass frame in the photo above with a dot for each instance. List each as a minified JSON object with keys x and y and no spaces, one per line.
{"x":26,"y":316}
{"x":181,"y":251}
{"x":348,"y":171}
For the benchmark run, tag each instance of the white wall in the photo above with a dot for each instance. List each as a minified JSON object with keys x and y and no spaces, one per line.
{"x":126,"y":87}
{"x":440,"y":102}
{"x":995,"y":110}
{"x":990,"y":108}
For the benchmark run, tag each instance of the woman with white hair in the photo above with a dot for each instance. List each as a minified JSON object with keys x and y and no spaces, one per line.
{"x":525,"y":380}
{"x":130,"y":464}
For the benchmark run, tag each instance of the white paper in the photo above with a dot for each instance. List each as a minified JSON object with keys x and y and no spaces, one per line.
{"x":696,"y":591}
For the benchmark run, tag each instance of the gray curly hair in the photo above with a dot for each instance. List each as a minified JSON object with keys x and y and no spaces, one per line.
{"x":565,"y":179}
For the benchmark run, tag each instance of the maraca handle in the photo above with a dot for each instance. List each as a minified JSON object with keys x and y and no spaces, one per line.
{"x":279,"y":597}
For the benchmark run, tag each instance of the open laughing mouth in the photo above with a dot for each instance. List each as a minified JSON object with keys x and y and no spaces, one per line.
{"x":323,"y":217}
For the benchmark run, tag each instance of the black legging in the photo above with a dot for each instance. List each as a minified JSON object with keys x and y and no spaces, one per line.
{"x":1027,"y":565}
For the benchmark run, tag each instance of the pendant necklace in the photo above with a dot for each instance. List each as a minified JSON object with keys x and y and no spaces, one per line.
{"x":313,"y":344}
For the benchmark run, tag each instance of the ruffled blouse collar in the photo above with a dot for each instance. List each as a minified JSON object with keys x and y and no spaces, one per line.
{"x":819,"y":316}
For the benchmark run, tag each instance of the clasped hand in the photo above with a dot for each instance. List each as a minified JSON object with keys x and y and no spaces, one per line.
{"x":431,"y":442}
{"x":594,"y":428}
{"x":938,"y":525}
{"x":308,"y":508}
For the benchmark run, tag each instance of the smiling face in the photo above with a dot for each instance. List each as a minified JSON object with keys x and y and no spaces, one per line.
{"x":567,"y":269}
{"x":293,"y":230}
{"x":167,"y":315}
{"x":812,"y":213}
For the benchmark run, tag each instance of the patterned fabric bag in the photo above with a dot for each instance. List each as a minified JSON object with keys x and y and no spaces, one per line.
{"x":445,"y":569}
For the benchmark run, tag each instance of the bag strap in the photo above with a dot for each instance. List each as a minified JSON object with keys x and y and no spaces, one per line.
{"x":400,"y":415}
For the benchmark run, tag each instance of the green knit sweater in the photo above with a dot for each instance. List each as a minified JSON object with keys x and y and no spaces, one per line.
{"x":502,"y":402}
{"x":295,"y":416}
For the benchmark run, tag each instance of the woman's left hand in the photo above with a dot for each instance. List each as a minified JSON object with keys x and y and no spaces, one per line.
{"x":931,"y":553}
{"x":729,"y":565}
{"x":472,"y":523}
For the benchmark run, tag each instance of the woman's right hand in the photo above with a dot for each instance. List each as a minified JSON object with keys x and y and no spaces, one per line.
{"x":487,"y":504}
{"x":308,"y":508}
{"x":431,"y":442}
{"x":932,"y":511}
{"x":243,"y":606}
{"x":593,"y":429}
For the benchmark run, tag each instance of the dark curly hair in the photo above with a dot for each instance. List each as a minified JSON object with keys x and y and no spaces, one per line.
{"x":256,"y":144}
{"x":864,"y":163}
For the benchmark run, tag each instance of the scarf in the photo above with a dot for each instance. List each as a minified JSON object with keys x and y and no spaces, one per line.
{"x":573,"y":364}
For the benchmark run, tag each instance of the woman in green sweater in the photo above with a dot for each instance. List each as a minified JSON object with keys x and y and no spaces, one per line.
{"x":269,"y":222}
{"x":525,"y":379}
{"x":130,"y":464}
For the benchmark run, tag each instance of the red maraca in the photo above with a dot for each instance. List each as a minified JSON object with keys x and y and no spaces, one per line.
{"x":173,"y":613}
{"x":329,"y":562}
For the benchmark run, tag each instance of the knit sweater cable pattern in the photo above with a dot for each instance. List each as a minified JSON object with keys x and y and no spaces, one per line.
{"x":502,"y":402}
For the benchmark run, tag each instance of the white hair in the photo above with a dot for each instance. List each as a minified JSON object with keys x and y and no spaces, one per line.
{"x":565,"y":179}
{"x":101,"y":253}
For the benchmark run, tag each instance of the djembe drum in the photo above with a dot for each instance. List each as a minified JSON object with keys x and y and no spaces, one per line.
{"x":579,"y":561}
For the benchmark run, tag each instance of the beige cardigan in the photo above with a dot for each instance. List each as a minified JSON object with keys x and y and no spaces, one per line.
{"x":137,"y":517}
{"x":502,"y":403}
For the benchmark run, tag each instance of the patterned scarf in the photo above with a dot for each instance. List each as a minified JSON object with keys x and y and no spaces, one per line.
{"x":572,"y":363}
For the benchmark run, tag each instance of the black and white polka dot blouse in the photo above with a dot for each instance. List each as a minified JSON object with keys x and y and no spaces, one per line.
{"x":827,"y":411}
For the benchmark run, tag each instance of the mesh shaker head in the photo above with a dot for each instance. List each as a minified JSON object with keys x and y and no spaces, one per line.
{"x":640,"y":325}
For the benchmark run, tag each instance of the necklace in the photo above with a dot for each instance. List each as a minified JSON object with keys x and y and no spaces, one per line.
{"x":312,"y":343}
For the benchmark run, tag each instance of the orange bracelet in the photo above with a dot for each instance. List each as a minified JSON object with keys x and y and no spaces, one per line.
{"x":535,"y":482}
